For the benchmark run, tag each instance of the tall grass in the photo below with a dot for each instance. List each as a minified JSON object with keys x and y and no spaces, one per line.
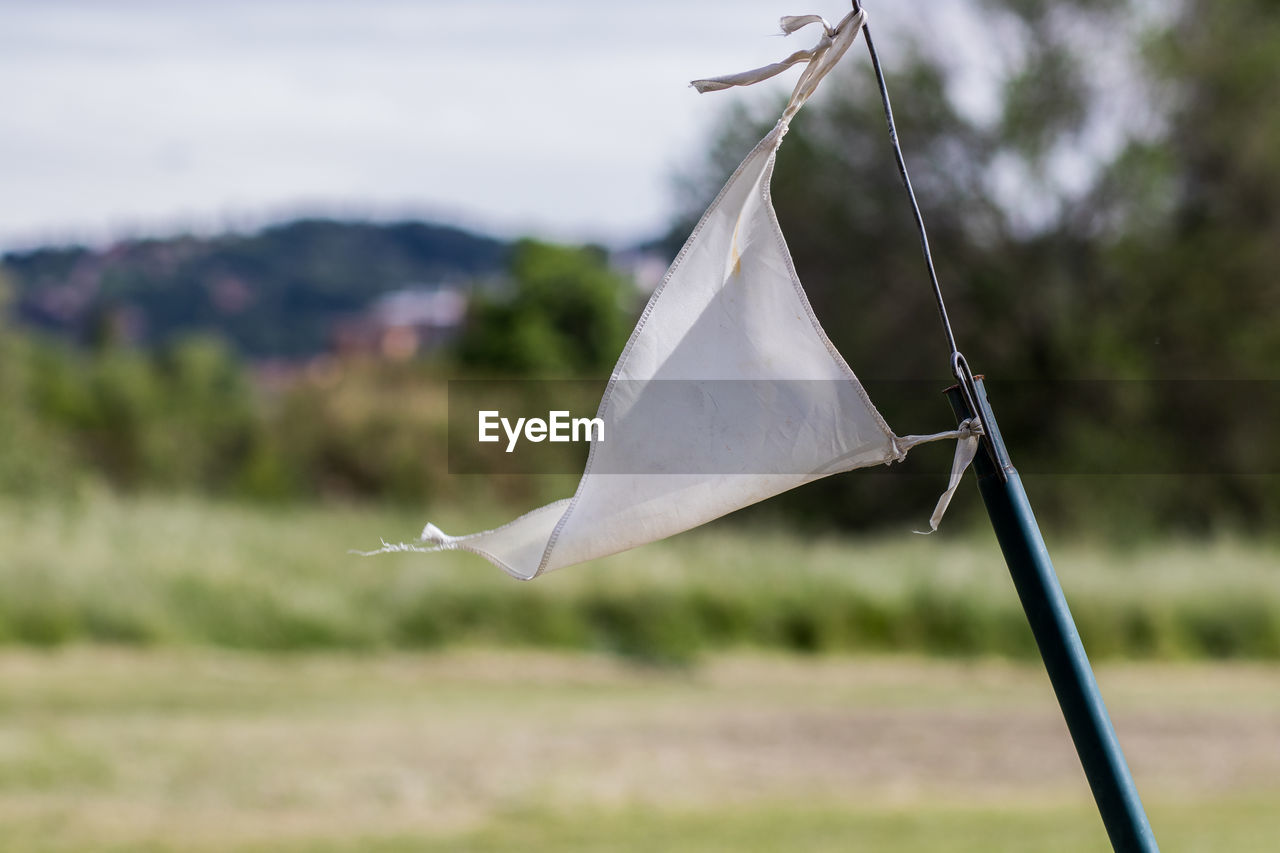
{"x":187,"y":571}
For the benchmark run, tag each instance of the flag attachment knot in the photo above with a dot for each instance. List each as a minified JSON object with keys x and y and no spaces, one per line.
{"x":821,"y":58}
{"x":967,"y":435}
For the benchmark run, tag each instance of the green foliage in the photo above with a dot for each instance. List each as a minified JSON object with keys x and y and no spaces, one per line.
{"x":567,"y":314}
{"x":33,"y":460}
{"x":355,"y":431}
{"x":195,"y":572}
{"x":188,"y":417}
{"x":182,"y":417}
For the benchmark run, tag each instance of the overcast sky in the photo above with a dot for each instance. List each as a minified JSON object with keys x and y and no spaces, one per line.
{"x":562,"y":118}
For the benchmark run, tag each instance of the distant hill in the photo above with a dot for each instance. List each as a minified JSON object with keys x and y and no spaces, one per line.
{"x":273,"y":293}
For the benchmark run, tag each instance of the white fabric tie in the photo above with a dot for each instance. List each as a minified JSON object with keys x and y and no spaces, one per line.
{"x":822,"y":57}
{"x":967,"y":436}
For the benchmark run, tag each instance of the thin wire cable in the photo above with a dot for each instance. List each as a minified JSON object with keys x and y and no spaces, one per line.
{"x":906,"y":182}
{"x":959,"y":365}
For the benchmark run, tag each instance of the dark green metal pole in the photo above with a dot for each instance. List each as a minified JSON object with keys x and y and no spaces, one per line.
{"x":1033,"y":574}
{"x":1055,"y":633}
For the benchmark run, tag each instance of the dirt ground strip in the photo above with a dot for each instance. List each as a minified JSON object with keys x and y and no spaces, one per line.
{"x":114,"y":741}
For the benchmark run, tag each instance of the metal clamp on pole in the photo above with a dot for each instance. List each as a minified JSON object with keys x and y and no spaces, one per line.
{"x":967,"y":384}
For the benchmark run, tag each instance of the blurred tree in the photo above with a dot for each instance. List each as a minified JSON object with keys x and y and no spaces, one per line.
{"x":1154,"y":258}
{"x":567,"y":313}
{"x":33,"y":459}
{"x":1211,"y":265}
{"x":841,"y":204}
{"x":1193,"y":287}
{"x":207,"y":419}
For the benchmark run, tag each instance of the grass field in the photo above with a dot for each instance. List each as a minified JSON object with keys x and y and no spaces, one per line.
{"x":181,"y":572}
{"x":178,"y":674}
{"x":200,"y":750}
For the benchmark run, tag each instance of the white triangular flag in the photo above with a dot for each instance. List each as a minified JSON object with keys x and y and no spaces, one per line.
{"x":728,"y":392}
